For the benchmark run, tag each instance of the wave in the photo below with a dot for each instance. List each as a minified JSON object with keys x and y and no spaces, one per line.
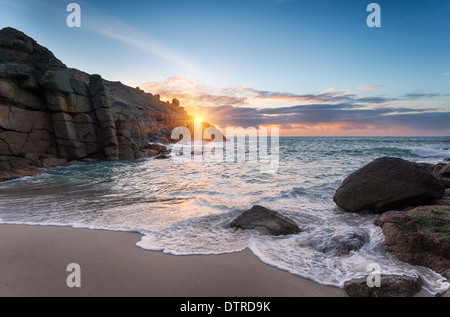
{"x":392,"y":150}
{"x":423,"y":152}
{"x":403,"y":152}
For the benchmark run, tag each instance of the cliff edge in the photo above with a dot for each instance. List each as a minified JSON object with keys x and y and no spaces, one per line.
{"x":51,"y":114}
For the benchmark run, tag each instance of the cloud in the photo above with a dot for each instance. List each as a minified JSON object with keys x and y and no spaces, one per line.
{"x":193,"y":95}
{"x":329,"y":96}
{"x":370,"y":87}
{"x":375,"y":100}
{"x":424,"y":95}
{"x":329,"y":110}
{"x":339,"y":116}
{"x":124,"y":33}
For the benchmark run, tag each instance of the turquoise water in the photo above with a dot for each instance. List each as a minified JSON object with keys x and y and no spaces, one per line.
{"x":185,"y":208}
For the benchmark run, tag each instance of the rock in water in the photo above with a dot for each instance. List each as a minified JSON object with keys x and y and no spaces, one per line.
{"x":162,"y":157}
{"x":391,"y":286}
{"x":18,"y":172}
{"x":266,"y":221}
{"x":420,"y":236}
{"x":160,"y":148}
{"x":388,"y":183}
{"x":345,"y":241}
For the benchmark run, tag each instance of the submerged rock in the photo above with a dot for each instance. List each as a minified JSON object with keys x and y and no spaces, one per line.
{"x":420,"y":236}
{"x":345,"y":241}
{"x":388,"y":183}
{"x":266,"y":221}
{"x":391,"y":286}
{"x":162,"y":157}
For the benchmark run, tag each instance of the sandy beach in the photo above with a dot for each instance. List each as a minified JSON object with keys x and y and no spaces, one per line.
{"x":34,"y":259}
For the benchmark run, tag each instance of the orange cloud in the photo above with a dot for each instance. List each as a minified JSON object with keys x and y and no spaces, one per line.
{"x":326,"y":113}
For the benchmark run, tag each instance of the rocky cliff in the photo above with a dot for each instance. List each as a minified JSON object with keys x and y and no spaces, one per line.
{"x":51,"y":114}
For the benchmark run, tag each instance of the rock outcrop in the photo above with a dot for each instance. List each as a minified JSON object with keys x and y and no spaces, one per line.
{"x":50,"y":113}
{"x":420,"y":236}
{"x":266,"y":221}
{"x":391,"y":286}
{"x":388,"y":183}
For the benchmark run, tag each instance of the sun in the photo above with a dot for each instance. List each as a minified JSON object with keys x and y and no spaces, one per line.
{"x":199,"y":119}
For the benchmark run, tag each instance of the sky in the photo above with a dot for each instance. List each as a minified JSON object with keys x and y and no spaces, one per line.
{"x":309,"y":67}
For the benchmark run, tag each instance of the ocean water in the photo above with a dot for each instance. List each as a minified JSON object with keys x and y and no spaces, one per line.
{"x":186,"y":207}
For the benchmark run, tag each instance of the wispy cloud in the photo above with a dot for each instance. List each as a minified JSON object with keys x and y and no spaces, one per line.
{"x":192,"y":94}
{"x":126,"y":34}
{"x":416,"y":95}
{"x":374,"y":87}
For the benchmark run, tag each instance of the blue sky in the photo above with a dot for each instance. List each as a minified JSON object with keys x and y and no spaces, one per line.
{"x":221,"y":57}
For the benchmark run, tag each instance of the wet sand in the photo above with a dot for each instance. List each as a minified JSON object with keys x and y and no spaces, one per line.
{"x":34,"y":260}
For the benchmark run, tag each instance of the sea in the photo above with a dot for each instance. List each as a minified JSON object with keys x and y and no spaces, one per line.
{"x":185,"y":208}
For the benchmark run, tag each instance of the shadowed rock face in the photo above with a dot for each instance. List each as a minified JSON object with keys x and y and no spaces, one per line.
{"x":266,"y":221}
{"x":48,"y":111}
{"x":388,"y":183}
{"x":420,"y":236}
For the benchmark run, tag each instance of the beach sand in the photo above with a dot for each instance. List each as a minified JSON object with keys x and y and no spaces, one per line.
{"x":34,"y":260}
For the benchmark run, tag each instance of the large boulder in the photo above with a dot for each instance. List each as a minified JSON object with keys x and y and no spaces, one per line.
{"x":391,"y":286}
{"x":388,"y":183}
{"x":266,"y":221}
{"x":420,"y":236}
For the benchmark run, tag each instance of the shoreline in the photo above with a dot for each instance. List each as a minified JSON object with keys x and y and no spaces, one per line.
{"x":34,"y":260}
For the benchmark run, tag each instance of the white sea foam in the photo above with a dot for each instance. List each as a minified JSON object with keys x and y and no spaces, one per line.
{"x":425,"y":152}
{"x":299,"y":255}
{"x":186,"y":208}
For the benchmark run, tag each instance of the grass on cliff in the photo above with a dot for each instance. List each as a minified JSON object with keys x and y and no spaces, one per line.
{"x":435,"y":219}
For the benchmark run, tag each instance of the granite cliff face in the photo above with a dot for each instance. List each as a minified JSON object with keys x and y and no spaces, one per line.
{"x":51,"y":114}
